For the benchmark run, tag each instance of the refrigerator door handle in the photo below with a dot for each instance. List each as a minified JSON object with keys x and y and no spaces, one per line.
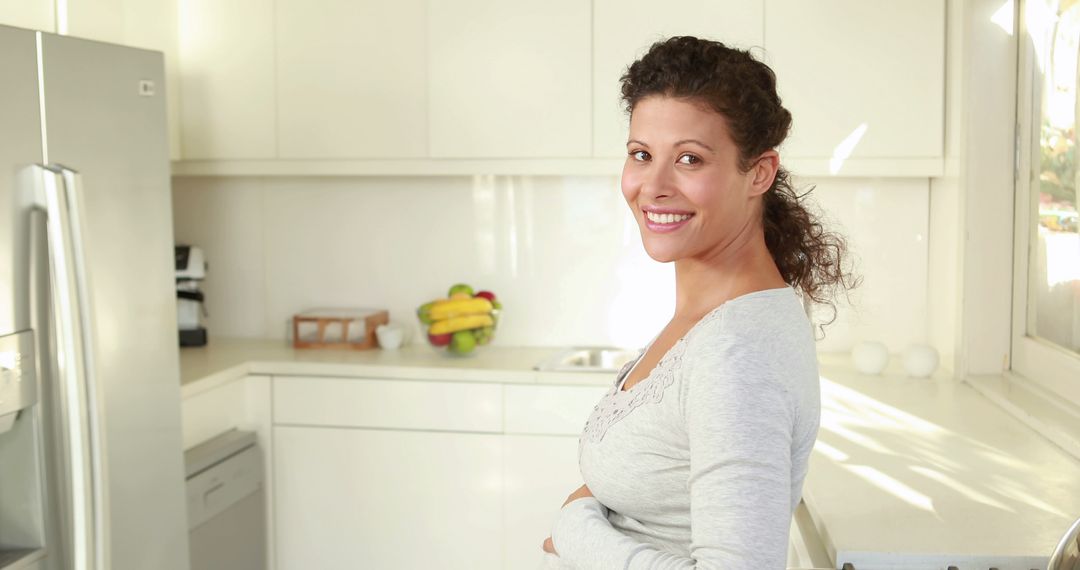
{"x":59,"y":194}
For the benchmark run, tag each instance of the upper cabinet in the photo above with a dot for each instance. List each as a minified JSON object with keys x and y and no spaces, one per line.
{"x":493,"y":87}
{"x":509,"y":79}
{"x":351,"y":79}
{"x":863,"y":80}
{"x":30,"y":14}
{"x":621,"y":34}
{"x":227,"y":91}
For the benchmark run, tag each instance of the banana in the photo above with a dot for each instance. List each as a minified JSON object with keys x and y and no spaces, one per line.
{"x":458,"y":308}
{"x":455,"y":324}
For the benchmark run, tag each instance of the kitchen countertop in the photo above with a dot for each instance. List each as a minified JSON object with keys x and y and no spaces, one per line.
{"x":934,"y":472}
{"x":224,"y":360}
{"x":919,"y":472}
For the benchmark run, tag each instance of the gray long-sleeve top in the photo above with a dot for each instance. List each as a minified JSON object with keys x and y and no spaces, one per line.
{"x":701,"y":464}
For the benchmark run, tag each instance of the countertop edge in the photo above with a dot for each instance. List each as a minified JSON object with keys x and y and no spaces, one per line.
{"x":214,"y":380}
{"x":238,"y":365}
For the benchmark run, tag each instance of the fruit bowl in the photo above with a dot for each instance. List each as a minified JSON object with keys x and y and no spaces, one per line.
{"x":459,"y":323}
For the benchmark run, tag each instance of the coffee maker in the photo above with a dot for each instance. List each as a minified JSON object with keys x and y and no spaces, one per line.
{"x":190,"y":302}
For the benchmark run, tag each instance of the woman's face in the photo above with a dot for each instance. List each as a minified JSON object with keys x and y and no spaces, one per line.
{"x":682,"y":164}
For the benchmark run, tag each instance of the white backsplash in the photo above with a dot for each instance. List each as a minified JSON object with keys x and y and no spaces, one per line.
{"x":563,"y":254}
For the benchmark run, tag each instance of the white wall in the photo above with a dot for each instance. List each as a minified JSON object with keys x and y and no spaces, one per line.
{"x":562,"y":253}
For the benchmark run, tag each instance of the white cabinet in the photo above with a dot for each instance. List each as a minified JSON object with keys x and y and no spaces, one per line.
{"x":861,"y":79}
{"x":341,"y":87}
{"x":238,"y":404}
{"x":30,"y":14}
{"x":227,"y":90}
{"x":355,"y":498}
{"x":621,"y":34}
{"x":351,"y":79}
{"x":541,"y":471}
{"x":391,"y":404}
{"x":509,"y":79}
{"x":549,"y":410}
{"x":384,"y":473}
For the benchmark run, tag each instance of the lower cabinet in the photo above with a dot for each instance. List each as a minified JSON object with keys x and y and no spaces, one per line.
{"x":380,"y":473}
{"x":541,"y":471}
{"x":359,"y":498}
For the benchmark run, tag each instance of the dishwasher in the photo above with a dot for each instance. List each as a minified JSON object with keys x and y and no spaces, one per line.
{"x":226,"y":503}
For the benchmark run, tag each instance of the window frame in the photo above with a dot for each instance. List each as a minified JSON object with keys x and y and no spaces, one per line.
{"x":1039,"y":361}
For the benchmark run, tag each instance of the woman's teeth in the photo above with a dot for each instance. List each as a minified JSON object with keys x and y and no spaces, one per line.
{"x":666,"y":218}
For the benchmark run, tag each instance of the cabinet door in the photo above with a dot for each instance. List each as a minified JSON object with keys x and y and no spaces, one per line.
{"x":541,"y":471}
{"x":31,"y":14}
{"x":864,"y":79}
{"x":509,"y":79}
{"x":227,"y":79}
{"x":388,"y":404}
{"x":355,"y":498}
{"x":549,"y":410}
{"x":621,"y":35}
{"x":352,"y":79}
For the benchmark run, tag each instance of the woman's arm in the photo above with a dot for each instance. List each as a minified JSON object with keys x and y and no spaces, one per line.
{"x":740,"y":420}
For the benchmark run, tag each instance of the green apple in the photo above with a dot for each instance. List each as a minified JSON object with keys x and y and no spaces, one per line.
{"x":463,"y":342}
{"x":460,"y":288}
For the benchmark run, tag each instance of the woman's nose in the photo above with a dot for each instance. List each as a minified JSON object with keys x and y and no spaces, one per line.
{"x":658,"y":181}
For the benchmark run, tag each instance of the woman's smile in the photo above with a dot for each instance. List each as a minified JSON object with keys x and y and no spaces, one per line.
{"x":663,"y":223}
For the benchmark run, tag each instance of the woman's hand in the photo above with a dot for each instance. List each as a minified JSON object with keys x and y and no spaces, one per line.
{"x":582,"y":491}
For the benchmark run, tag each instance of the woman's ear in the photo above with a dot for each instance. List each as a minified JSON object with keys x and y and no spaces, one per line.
{"x":764,"y":171}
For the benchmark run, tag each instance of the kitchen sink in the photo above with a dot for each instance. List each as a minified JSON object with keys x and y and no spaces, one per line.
{"x":588,"y":359}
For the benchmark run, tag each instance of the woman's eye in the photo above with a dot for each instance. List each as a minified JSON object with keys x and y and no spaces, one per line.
{"x":689,"y":159}
{"x":639,"y":155}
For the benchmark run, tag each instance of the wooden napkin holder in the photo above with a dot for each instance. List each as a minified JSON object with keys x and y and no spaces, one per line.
{"x":338,"y":328}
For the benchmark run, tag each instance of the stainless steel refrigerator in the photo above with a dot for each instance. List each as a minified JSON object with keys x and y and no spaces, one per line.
{"x":91,"y":465}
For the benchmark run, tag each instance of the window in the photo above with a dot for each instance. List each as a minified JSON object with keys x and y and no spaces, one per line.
{"x":1046,"y":304}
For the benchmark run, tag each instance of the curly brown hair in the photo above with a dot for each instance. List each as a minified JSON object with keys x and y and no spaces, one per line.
{"x":742,"y":89}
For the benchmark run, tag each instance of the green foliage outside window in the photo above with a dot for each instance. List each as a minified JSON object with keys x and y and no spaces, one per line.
{"x":1058,"y":163}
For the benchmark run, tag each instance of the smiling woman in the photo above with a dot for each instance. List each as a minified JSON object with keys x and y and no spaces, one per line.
{"x":696,"y":456}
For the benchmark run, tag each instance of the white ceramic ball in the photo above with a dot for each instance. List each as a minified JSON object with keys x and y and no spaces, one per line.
{"x":920,"y":360}
{"x":870,"y":357}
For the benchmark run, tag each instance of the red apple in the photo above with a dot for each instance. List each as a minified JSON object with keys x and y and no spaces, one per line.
{"x":485,"y":294}
{"x":440,"y":339}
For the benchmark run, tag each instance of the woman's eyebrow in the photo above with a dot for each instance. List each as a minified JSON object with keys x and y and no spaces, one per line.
{"x":635,"y":141}
{"x":695,"y":141}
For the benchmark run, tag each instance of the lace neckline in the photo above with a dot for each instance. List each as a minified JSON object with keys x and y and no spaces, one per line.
{"x":620,"y":381}
{"x":617,"y":403}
